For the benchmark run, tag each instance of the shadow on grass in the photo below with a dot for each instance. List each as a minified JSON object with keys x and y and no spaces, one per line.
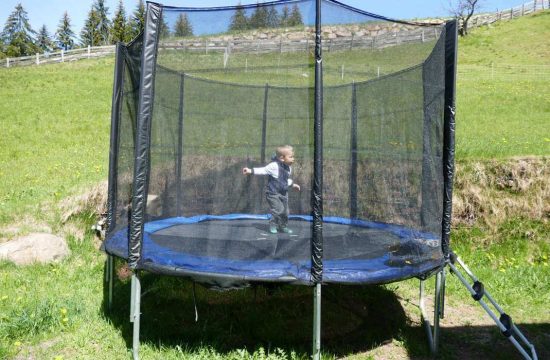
{"x":355,"y":319}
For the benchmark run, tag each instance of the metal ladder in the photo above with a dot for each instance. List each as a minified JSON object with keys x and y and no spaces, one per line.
{"x":504,"y":321}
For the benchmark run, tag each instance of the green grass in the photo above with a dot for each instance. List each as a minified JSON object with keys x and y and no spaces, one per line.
{"x":504,"y":117}
{"x":55,"y":120}
{"x":55,"y":141}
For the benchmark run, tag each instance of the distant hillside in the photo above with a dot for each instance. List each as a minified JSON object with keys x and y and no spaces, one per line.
{"x":503,"y":90}
{"x":525,"y":40}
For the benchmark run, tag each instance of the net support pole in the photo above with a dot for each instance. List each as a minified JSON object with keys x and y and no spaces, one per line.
{"x":180,"y":148}
{"x":353,"y":155}
{"x":114,"y":145}
{"x":143,"y":132}
{"x":451,"y":36}
{"x":264,"y":123}
{"x":317,"y":191}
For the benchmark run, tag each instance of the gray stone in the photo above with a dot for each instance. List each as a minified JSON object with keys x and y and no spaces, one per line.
{"x":37,"y":247}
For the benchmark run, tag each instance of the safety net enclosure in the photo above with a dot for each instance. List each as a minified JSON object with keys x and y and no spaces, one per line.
{"x":366,"y":103}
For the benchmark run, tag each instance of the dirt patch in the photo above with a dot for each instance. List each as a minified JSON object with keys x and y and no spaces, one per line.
{"x":93,"y":200}
{"x":34,"y":352}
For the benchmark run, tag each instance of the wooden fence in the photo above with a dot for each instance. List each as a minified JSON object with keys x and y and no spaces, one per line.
{"x":503,"y":72}
{"x":306,"y":43}
{"x":60,"y":56}
{"x":508,"y":14}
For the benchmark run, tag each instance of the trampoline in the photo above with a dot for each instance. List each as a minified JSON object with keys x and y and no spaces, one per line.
{"x":228,"y":247}
{"x":366,"y":102}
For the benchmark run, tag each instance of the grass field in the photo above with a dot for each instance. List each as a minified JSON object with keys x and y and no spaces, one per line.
{"x":55,"y":144}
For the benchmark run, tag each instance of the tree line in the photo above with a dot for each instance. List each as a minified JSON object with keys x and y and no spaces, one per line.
{"x":18,"y":38}
{"x":265,"y":17}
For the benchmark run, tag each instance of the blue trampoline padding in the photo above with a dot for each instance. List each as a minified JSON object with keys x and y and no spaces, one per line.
{"x":372,"y":271}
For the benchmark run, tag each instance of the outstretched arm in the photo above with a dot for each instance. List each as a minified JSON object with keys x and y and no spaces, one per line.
{"x":270,"y":169}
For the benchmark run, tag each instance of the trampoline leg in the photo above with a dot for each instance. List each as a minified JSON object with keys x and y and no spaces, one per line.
{"x":443,"y":285}
{"x":317,"y":322}
{"x":437,"y":308}
{"x":135,"y":314}
{"x":110,"y":279}
{"x":432,"y":333}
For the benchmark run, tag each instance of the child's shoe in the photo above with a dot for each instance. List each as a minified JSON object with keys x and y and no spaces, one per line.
{"x":273,"y":229}
{"x":286,"y":230}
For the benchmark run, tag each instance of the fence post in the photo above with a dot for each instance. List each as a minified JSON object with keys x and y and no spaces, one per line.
{"x":7,"y":62}
{"x":351,"y":44}
{"x":89,"y":51}
{"x":422,"y":35}
{"x":62,"y":55}
{"x":37,"y":59}
{"x":511,"y":13}
{"x":535,"y":5}
{"x":523,"y":8}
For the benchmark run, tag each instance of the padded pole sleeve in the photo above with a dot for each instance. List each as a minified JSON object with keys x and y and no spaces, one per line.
{"x":115,"y":122}
{"x":449,"y":130}
{"x":143,"y":132}
{"x":317,"y":191}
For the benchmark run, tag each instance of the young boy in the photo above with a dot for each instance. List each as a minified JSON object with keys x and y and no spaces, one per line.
{"x":279,"y":171}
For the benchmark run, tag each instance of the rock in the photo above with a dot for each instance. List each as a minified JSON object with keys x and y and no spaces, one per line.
{"x":36,"y":247}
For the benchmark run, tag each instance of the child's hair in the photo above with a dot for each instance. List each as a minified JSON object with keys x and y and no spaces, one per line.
{"x":282,"y":150}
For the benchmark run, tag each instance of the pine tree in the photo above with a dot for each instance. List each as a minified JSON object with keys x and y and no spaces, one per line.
{"x":43,"y":40}
{"x":272,"y":17}
{"x":18,"y":34}
{"x":295,"y":17}
{"x":64,"y":34}
{"x":258,"y":19}
{"x":164,"y":29}
{"x":183,"y":27}
{"x":90,"y":34}
{"x":103,"y":25}
{"x":120,"y":30}
{"x":137,"y":22}
{"x":284,"y":16}
{"x":239,"y":21}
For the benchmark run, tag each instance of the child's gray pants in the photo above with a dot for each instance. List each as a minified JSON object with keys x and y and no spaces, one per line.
{"x":278,"y":205}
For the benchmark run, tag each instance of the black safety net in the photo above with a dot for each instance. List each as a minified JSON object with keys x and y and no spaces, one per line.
{"x":230,"y":86}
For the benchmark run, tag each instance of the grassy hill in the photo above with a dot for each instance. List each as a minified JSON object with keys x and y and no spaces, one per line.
{"x":506,"y":115}
{"x":55,"y":143}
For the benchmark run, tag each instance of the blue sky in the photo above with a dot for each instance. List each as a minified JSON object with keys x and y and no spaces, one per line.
{"x":49,"y":12}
